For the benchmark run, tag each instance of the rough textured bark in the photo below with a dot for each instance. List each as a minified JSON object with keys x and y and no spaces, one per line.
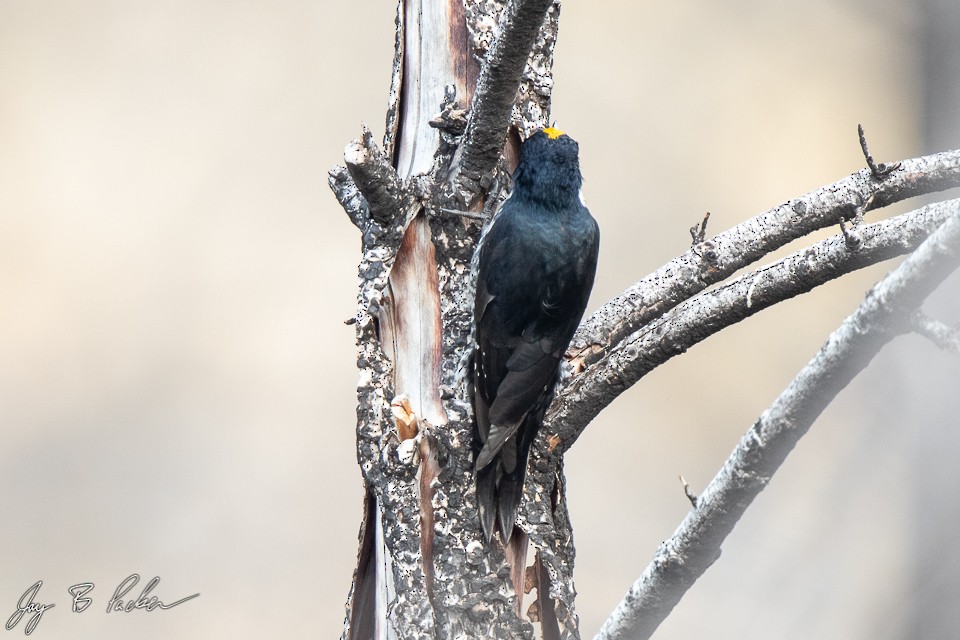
{"x":434,"y":577}
{"x":470,"y":78}
{"x":886,"y":313}
{"x":674,"y":331}
{"x":716,"y":258}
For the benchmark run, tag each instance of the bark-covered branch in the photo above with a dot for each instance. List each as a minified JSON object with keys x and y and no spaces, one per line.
{"x":348,"y":196}
{"x":885,"y":313}
{"x":940,"y":334}
{"x":496,"y":92}
{"x":712,"y":261}
{"x":423,"y":569}
{"x":376,"y":179}
{"x":705,"y":314}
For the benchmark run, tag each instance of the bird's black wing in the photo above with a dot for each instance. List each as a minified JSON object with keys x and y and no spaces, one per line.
{"x":523,"y":326}
{"x":509,"y":367}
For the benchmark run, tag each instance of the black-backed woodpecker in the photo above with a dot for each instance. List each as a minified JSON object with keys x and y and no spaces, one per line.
{"x":535,"y":268}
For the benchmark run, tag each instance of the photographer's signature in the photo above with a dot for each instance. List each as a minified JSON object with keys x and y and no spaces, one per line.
{"x":32,"y":609}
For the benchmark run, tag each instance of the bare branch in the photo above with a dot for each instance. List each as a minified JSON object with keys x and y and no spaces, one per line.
{"x":851,"y":237}
{"x":878,"y":171}
{"x":585,"y":395}
{"x":687,"y":491}
{"x":699,"y":234}
{"x":696,"y":544}
{"x":433,"y":576}
{"x":496,"y":91}
{"x":716,"y":259}
{"x":348,"y":195}
{"x":940,"y":334}
{"x":376,"y":179}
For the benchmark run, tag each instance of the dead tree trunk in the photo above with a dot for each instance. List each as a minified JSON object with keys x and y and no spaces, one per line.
{"x":419,"y":203}
{"x":470,"y":80}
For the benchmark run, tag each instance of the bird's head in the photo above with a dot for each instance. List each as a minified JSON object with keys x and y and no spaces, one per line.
{"x":549,"y":169}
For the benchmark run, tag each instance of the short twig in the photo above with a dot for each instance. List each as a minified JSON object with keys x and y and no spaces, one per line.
{"x":879,"y":171}
{"x":377,"y":180}
{"x":483,"y":217}
{"x":700,"y":233}
{"x":859,"y":208}
{"x":494,"y":193}
{"x":851,"y":237}
{"x":348,"y":195}
{"x":687,"y":491}
{"x":451,"y":119}
{"x":939,"y":333}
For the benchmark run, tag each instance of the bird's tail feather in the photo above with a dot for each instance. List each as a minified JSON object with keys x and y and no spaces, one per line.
{"x":495,"y":443}
{"x":498,"y":500}
{"x":487,"y":499}
{"x":509,"y":493}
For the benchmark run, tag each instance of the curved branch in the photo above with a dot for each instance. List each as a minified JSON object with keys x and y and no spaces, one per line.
{"x":585,"y":395}
{"x":710,"y":262}
{"x":696,"y":544}
{"x":496,"y":91}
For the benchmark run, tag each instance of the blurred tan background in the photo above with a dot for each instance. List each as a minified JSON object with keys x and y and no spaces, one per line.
{"x":176,"y":381}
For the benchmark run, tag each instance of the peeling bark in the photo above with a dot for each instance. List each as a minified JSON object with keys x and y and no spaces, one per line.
{"x":414,"y":327}
{"x":424,"y":570}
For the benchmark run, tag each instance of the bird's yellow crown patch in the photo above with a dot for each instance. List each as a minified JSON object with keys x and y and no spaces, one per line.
{"x":552,"y":133}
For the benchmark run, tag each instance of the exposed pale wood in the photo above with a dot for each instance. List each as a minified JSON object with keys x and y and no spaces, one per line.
{"x":410,"y":323}
{"x":436,"y":577}
{"x":429,"y":65}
